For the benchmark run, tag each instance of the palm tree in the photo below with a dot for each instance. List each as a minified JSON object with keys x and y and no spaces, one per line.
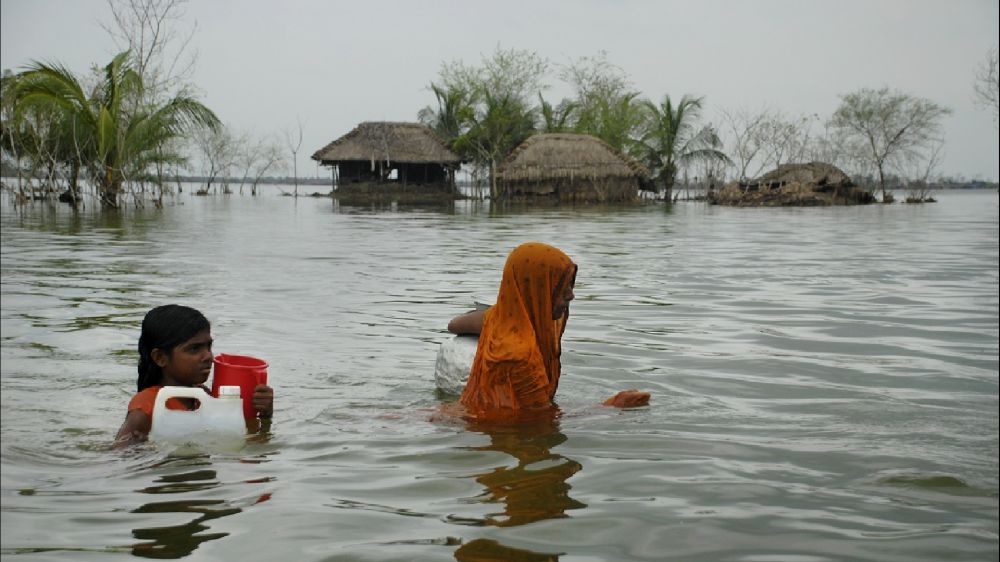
{"x":115,"y":144}
{"x":672,"y":139}
{"x":454,"y":112}
{"x":556,"y":119}
{"x":502,"y":123}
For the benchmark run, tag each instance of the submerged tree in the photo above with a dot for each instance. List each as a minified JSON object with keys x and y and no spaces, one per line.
{"x":673,"y":139}
{"x":486,"y":111}
{"x":557,"y":118}
{"x":499,"y":126}
{"x":455,"y":111}
{"x":892,"y":125}
{"x":986,"y":85}
{"x":115,"y":138}
{"x":607,"y":106}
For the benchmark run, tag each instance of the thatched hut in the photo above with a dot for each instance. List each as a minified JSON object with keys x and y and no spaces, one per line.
{"x":569,"y":167}
{"x":390,"y":158}
{"x":810,"y":184}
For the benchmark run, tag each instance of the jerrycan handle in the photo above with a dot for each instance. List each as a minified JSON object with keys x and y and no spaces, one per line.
{"x":168,"y":392}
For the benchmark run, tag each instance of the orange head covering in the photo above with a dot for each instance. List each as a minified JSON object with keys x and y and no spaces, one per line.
{"x":516,"y":370}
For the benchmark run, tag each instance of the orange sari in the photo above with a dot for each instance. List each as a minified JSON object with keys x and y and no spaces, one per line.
{"x":516,"y":370}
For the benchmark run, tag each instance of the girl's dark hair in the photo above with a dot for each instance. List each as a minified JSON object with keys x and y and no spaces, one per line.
{"x":164,"y":328}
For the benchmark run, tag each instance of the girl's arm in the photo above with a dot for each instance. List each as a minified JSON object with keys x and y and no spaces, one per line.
{"x":134,"y":430}
{"x":469,"y":323}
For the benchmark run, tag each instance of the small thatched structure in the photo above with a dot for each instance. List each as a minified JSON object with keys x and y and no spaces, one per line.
{"x":390,"y":158}
{"x":789,"y":185}
{"x":569,"y":167}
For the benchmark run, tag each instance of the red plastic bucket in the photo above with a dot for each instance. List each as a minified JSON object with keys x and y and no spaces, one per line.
{"x":239,"y":370}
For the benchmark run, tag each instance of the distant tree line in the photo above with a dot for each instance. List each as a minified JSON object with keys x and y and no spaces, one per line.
{"x":881,"y":137}
{"x":132,"y":128}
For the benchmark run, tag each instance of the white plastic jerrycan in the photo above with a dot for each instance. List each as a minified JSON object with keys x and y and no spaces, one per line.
{"x":455,"y":357}
{"x":216,"y":424}
{"x":454,"y":361}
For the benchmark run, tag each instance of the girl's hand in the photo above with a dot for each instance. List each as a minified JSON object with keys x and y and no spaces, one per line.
{"x":628,"y":399}
{"x":263,"y":400}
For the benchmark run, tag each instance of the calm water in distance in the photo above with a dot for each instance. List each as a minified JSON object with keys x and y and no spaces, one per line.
{"x":824,"y":384}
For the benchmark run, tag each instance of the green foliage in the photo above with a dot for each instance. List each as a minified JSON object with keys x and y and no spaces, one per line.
{"x":112,"y":133}
{"x":672,"y":138}
{"x":557,"y":119}
{"x":606,"y":105}
{"x":616,"y":121}
{"x":499,"y":125}
{"x":485,"y":111}
{"x":455,"y":110}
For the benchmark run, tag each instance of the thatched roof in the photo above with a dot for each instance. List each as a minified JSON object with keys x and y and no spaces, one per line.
{"x":813,"y":183}
{"x":817,"y":173}
{"x":567,"y":156}
{"x":411,"y":143}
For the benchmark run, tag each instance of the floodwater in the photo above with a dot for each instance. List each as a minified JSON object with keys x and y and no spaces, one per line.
{"x":824,"y":384}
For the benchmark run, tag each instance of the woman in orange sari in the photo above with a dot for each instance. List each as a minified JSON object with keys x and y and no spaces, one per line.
{"x":516,"y":370}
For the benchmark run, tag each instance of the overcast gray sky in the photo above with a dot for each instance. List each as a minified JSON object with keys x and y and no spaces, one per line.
{"x":264,"y":64}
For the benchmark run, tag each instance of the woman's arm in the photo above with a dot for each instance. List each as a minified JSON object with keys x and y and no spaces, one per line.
{"x":134,"y":430}
{"x":469,"y":323}
{"x":628,"y":399}
{"x":263,"y":400}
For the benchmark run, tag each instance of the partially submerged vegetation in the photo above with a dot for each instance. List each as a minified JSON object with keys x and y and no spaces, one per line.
{"x":802,"y":185}
{"x":133,"y":135}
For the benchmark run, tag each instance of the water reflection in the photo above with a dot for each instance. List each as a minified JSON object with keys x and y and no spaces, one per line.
{"x":488,"y":550}
{"x":178,"y":541}
{"x":537,"y":487}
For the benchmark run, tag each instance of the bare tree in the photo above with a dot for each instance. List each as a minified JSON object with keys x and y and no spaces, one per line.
{"x":893,"y":125}
{"x":786,"y":139}
{"x":985,"y":84}
{"x":255,"y":158}
{"x":746,"y":140}
{"x":916,"y":171}
{"x":154,"y":33}
{"x":216,"y":151}
{"x":293,"y":139}
{"x":158,"y":40}
{"x":270,"y":158}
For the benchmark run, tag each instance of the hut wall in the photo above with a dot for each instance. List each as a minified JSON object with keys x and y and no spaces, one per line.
{"x":358,"y":176}
{"x":597,"y":190}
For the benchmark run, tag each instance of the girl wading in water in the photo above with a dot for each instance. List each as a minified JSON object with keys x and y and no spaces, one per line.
{"x":175,"y":349}
{"x":516,"y":371}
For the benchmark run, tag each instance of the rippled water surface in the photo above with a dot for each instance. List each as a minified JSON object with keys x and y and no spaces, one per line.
{"x":824,"y":384}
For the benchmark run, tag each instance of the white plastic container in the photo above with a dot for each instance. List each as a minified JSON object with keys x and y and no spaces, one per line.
{"x":216,"y":424}
{"x":455,"y":356}
{"x":454,"y":361}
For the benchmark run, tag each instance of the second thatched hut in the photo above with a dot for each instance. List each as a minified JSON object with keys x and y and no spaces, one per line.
{"x":569,"y":167}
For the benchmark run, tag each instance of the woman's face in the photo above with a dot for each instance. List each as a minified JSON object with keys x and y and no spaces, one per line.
{"x":188,"y":364}
{"x":560,"y":304}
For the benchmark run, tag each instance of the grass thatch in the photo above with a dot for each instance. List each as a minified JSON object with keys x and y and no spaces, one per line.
{"x":409,"y":143}
{"x":817,"y":173}
{"x":794,"y":185}
{"x":564,"y":156}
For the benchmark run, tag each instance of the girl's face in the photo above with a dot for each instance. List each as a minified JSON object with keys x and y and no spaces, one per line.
{"x":189,"y":363}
